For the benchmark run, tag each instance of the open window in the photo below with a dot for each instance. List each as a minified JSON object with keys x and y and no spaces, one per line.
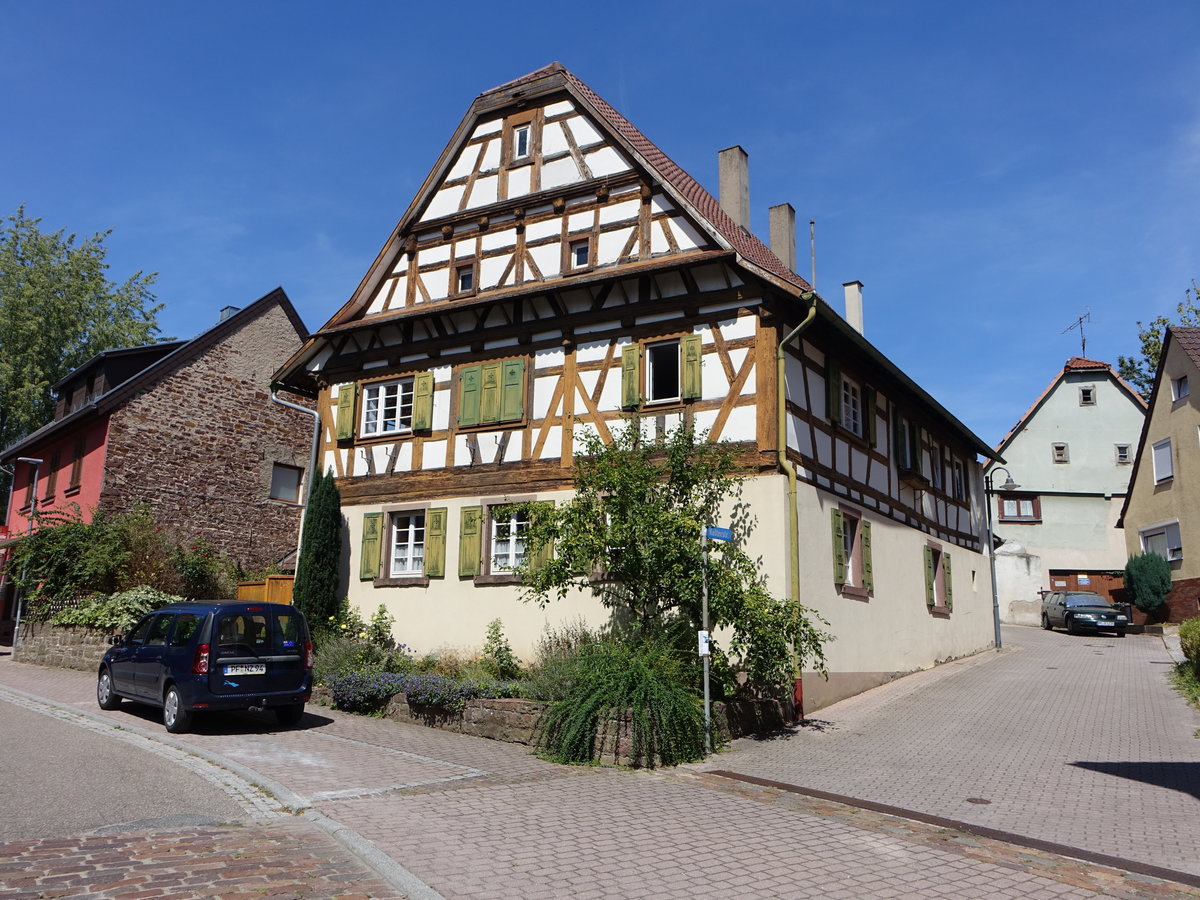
{"x":853,"y":571}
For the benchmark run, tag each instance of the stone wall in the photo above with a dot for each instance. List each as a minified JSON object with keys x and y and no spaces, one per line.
{"x":64,"y":646}
{"x":519,"y":722}
{"x":198,"y":446}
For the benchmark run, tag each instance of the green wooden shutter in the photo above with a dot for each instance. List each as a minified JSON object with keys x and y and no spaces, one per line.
{"x":512,"y":392}
{"x":544,"y":554}
{"x":839,"y":548}
{"x":867,"y":569}
{"x":691,"y":354}
{"x":468,"y":395}
{"x":869,"y":405}
{"x":435,"y":542}
{"x":489,"y":393}
{"x":345,"y":411}
{"x":916,"y":437}
{"x":898,"y":444}
{"x":470,"y":528}
{"x":631,"y":376}
{"x":930,"y":600}
{"x":948,"y":581}
{"x":833,"y":391}
{"x":422,"y":415}
{"x":372,"y":545}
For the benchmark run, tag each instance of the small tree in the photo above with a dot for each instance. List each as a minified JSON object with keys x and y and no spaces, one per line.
{"x":1148,"y":581}
{"x":316,"y":592}
{"x":1140,"y":371}
{"x":631,"y":537}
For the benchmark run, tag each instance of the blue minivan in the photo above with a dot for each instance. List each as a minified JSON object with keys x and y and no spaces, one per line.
{"x":199,"y":656}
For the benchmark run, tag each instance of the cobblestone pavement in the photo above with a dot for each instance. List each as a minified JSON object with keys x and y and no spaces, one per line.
{"x":476,"y":818}
{"x":1076,"y":740}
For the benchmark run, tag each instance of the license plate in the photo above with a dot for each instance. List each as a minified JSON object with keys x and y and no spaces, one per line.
{"x":248,"y":669}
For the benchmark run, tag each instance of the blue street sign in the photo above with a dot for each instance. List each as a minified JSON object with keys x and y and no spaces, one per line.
{"x":713,"y":533}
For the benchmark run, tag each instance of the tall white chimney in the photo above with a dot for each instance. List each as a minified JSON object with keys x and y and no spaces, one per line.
{"x":783,"y":233}
{"x":733,"y":169}
{"x":854,"y":306}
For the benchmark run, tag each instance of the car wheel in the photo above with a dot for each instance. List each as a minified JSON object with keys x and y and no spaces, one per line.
{"x":1046,"y":622}
{"x":1071,"y":627}
{"x":1120,"y":632}
{"x":175,"y":717}
{"x":290,"y":715}
{"x":105,"y":695}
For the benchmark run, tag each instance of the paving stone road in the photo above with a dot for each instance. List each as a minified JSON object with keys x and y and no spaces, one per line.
{"x":446,"y":815}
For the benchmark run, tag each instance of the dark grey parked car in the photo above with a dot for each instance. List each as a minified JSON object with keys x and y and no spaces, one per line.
{"x":190,"y":657}
{"x":1079,"y":611}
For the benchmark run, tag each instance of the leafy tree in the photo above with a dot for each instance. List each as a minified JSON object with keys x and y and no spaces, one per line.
{"x":316,"y":592}
{"x":631,"y":537}
{"x":1148,"y":581}
{"x":57,"y":310}
{"x":1140,"y":371}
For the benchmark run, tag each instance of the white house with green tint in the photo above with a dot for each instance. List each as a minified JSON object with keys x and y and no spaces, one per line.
{"x":1071,"y":455}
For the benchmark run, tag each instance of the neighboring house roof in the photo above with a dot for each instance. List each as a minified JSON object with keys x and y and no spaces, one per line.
{"x":183,"y":353}
{"x":152,"y":352}
{"x":749,"y":252}
{"x":1074,"y":364}
{"x":1189,"y":341}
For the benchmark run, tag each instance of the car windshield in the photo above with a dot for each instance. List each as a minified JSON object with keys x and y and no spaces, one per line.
{"x":1087,"y":600}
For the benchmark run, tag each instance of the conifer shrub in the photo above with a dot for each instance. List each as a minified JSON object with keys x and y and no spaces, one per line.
{"x":1147,"y":581}
{"x":316,"y":591}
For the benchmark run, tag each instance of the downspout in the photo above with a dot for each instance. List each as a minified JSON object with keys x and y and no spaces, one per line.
{"x":790,"y":471}
{"x":312,"y":462}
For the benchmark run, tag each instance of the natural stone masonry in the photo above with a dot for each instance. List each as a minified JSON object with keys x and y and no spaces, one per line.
{"x":64,"y":646}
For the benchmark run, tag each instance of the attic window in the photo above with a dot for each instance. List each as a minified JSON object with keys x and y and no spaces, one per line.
{"x":1087,"y":395}
{"x":1179,"y":387}
{"x":521,"y":142}
{"x":1061,"y":453}
{"x":580,"y":254}
{"x":1124,"y":454}
{"x":465,"y":278}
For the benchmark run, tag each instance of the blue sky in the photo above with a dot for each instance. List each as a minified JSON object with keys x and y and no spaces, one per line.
{"x":989,"y":171}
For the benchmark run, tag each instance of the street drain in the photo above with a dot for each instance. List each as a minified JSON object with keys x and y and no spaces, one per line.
{"x":979,"y":800}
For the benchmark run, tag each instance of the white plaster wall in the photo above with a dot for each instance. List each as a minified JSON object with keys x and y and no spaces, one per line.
{"x":1019,"y":578}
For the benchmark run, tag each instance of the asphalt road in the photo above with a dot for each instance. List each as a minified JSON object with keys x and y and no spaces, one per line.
{"x":95,"y":782}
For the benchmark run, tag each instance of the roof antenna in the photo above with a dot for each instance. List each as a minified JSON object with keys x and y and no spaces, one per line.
{"x":1078,"y":323}
{"x":812,"y":250}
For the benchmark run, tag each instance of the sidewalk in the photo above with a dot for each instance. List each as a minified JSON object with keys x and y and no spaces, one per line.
{"x":437,"y":814}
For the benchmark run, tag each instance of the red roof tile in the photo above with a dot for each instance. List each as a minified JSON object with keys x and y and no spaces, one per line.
{"x":1189,"y":340}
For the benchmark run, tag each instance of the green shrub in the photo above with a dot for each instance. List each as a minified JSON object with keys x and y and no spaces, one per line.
{"x":317,"y":592}
{"x":339,"y":656}
{"x":552,"y":677}
{"x":498,"y":659}
{"x":1189,"y":639}
{"x":620,"y":681}
{"x":1148,"y":581}
{"x":120,"y":612}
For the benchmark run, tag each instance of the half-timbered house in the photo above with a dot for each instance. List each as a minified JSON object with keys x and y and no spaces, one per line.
{"x":556,"y":273}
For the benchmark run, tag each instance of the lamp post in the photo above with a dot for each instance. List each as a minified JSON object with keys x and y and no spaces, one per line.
{"x":989,"y":492}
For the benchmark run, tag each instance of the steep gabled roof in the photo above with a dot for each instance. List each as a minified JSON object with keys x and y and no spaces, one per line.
{"x":1189,"y":341}
{"x":1074,"y":364}
{"x":556,"y":79}
{"x":184,"y":352}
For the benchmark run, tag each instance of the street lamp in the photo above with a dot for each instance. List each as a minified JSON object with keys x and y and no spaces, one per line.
{"x":989,"y":492}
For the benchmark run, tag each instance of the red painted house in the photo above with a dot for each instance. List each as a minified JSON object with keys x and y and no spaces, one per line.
{"x":187,"y":428}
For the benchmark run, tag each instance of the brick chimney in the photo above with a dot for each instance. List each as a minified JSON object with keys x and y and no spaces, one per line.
{"x":733,"y":167}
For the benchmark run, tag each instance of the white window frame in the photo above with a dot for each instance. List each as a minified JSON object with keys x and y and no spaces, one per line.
{"x":574,"y":260}
{"x":1180,"y":388}
{"x":852,"y":407}
{"x":407,"y":532}
{"x":375,"y":403}
{"x":1164,"y":465}
{"x":1171,"y":540}
{"x":522,"y":134}
{"x":507,"y":548}
{"x":657,"y":355}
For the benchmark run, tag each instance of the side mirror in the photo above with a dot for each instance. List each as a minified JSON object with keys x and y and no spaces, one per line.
{"x":114,"y":639}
